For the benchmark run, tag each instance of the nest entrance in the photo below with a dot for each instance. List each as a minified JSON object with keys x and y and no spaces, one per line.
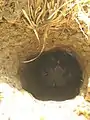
{"x":55,"y":75}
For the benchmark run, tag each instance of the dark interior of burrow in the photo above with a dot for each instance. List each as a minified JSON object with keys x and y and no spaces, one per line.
{"x":56,"y":75}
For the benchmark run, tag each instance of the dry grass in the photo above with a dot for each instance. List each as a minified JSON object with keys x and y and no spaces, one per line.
{"x":41,"y":12}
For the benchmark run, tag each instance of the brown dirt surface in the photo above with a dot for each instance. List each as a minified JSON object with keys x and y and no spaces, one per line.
{"x":18,"y":41}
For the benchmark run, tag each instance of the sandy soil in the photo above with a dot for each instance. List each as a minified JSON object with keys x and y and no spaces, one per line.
{"x":16,"y":105}
{"x":18,"y":42}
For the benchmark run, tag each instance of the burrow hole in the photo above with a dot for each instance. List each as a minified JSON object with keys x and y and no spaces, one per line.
{"x":56,"y":75}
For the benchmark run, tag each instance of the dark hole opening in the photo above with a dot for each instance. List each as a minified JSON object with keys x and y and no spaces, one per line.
{"x":55,"y":75}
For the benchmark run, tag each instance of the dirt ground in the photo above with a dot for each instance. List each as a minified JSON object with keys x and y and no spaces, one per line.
{"x":18,"y":42}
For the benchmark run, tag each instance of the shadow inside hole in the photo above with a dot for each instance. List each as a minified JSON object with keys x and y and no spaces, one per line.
{"x":55,"y":75}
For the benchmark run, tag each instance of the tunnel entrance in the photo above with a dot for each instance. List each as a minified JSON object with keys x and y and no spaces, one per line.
{"x":55,"y":75}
